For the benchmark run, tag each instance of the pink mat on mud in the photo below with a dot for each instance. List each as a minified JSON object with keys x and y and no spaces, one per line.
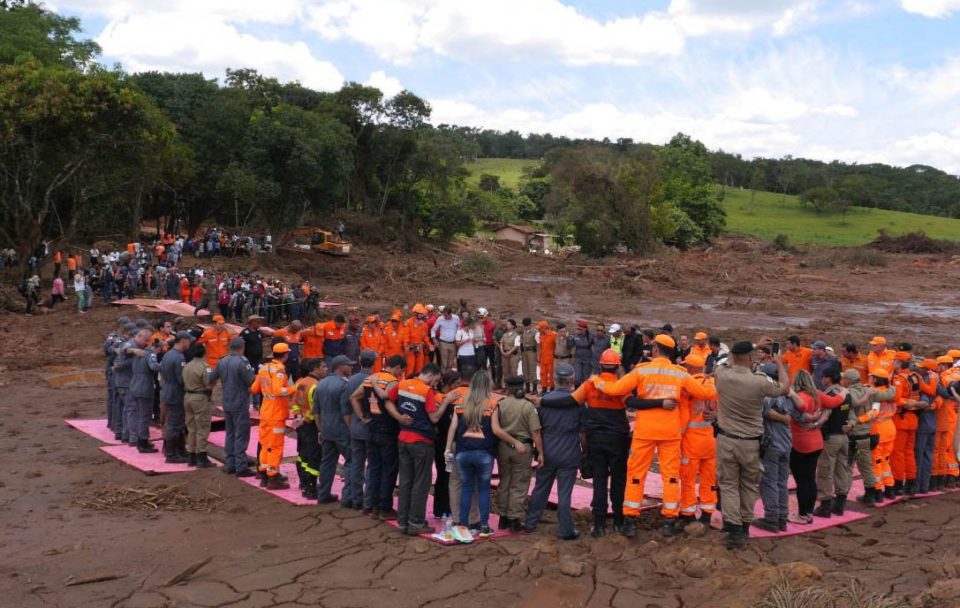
{"x":292,"y":494}
{"x":819,"y":523}
{"x":150,"y":464}
{"x":97,"y":428}
{"x":856,"y":489}
{"x":219,"y":438}
{"x":438,"y":526}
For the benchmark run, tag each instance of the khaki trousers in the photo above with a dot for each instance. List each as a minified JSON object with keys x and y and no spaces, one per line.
{"x":529,"y":366}
{"x":197,"y":408}
{"x":833,"y":468}
{"x":738,"y":472}
{"x":448,"y":356}
{"x":515,"y":473}
{"x":510,"y":363}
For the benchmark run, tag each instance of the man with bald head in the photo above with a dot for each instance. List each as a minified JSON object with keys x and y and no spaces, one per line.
{"x":236,"y":374}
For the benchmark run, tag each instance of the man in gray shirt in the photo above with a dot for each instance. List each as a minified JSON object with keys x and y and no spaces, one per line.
{"x":171,"y":395}
{"x":236,"y":374}
{"x":334,"y":427}
{"x":110,"y":347}
{"x":359,"y":433}
{"x":740,"y":430}
{"x":122,"y":366}
{"x":139,"y":405}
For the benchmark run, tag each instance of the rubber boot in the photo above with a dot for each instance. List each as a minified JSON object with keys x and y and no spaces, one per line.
{"x":898,"y":488}
{"x":599,"y":527}
{"x":669,"y":528}
{"x":683,"y":521}
{"x":145,"y":447}
{"x":181,"y":445}
{"x":889,"y":493}
{"x":825,"y":509}
{"x":839,"y":504}
{"x":705,"y":518}
{"x":170,"y":452}
{"x":869,"y":497}
{"x":192,"y":460}
{"x":203,"y":462}
{"x":950,"y":482}
{"x":504,"y":523}
{"x":275,"y":483}
{"x":910,"y":488}
{"x":629,"y":527}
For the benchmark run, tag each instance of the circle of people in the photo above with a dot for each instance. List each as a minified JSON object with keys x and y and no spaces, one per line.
{"x":396,"y":398}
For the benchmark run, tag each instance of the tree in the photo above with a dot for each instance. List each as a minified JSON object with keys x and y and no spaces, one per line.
{"x":688,"y":183}
{"x":29,"y":30}
{"x":489,"y":183}
{"x":820,"y":198}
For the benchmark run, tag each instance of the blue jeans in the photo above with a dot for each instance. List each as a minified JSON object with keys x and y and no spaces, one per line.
{"x":923,"y":454}
{"x":476,"y":467}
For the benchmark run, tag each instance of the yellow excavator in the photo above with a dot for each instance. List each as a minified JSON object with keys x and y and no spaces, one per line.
{"x":320,"y":241}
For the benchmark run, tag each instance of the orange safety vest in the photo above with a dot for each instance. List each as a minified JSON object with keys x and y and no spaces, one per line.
{"x":313,"y":342}
{"x":272,"y":382}
{"x":371,"y":338}
{"x":217,"y":344}
{"x":698,"y":440}
{"x":302,"y":398}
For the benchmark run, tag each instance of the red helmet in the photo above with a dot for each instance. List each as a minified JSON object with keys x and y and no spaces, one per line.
{"x":610,"y":357}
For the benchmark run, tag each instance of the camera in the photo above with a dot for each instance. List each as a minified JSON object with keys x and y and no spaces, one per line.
{"x":775,"y":350}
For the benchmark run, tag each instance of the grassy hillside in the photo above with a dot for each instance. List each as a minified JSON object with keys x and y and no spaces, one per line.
{"x":767,"y":217}
{"x":508,"y":169}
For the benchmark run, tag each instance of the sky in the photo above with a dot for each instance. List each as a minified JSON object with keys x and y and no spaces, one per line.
{"x":853,"y":80}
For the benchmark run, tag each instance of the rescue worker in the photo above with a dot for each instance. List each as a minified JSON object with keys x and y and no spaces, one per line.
{"x":235,"y":374}
{"x":110,"y":347}
{"x":334,"y":426}
{"x":418,"y":344}
{"x":301,"y":410}
{"x":394,"y":338}
{"x":656,"y":429}
{"x":852,"y":359}
{"x":292,"y":334}
{"x":333,"y":339}
{"x":383,"y":463}
{"x":926,"y":423}
{"x":273,"y":385}
{"x":582,"y":352}
{"x":122,"y":370}
{"x":606,"y":441}
{"x":139,"y":404}
{"x":216,"y":341}
{"x":797,"y":357}
{"x":700,"y":347}
{"x":517,"y":417}
{"x":355,"y":471}
{"x":880,"y":356}
{"x":411,"y":403}
{"x":196,"y":403}
{"x":884,"y":428}
{"x":529,"y":355}
{"x":312,"y":338}
{"x":172,"y":393}
{"x":560,"y":421}
{"x":902,"y":461}
{"x":740,"y":392}
{"x":546,"y":351}
{"x":616,"y":339}
{"x":944,"y":459}
{"x":698,"y":448}
{"x":510,"y":349}
{"x":371,"y":338}
{"x":184,"y":289}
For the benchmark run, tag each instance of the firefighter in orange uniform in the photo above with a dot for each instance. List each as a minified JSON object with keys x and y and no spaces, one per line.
{"x":371,"y":338}
{"x":656,"y":430}
{"x":880,"y":356}
{"x":184,"y":289}
{"x":884,"y":427}
{"x":274,"y":386}
{"x":700,"y":347}
{"x":547,"y":352}
{"x":903,"y":464}
{"x":313,"y":342}
{"x":698,"y":448}
{"x":852,"y":359}
{"x":418,"y":344}
{"x":216,"y":340}
{"x":394,"y":336}
{"x":945,"y":466}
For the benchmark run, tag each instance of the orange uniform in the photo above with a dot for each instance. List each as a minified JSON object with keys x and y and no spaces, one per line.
{"x":332,"y":332}
{"x":371,"y":338}
{"x":548,"y":349}
{"x":217,"y":344}
{"x":797,"y":359}
{"x":859,"y":363}
{"x":698,"y":453}
{"x":882,"y":361}
{"x":290,"y":337}
{"x":394,"y":339}
{"x":903,"y":464}
{"x":656,"y":429}
{"x":197,"y":294}
{"x":700,"y":351}
{"x":159,"y":335}
{"x":944,"y":460}
{"x":313,"y":342}
{"x":274,"y":385}
{"x":71,"y":263}
{"x":417,"y":345}
{"x":884,"y":427}
{"x":185,"y":290}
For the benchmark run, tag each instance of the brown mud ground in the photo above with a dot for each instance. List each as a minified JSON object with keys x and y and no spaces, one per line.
{"x":256,"y":550}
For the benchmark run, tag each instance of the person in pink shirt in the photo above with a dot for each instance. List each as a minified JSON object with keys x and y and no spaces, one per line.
{"x":57,"y":293}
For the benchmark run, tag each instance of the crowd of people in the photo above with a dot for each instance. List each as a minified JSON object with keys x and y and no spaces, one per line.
{"x":426,"y":402}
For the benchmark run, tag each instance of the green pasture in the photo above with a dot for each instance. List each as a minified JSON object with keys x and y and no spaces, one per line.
{"x":509,"y":170}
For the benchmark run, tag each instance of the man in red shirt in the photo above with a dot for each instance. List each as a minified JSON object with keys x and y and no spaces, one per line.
{"x":413,"y":404}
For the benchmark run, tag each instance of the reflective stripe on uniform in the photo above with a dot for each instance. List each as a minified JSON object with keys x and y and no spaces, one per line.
{"x":684,"y":460}
{"x":651,"y":371}
{"x":669,"y":505}
{"x":695,"y":424}
{"x":278,"y":430}
{"x":306,"y":467}
{"x":410,"y":395}
{"x":691,"y":510}
{"x":632,"y":505}
{"x":704,"y":507}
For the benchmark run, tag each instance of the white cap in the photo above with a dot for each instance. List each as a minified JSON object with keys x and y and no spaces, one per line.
{"x":429,"y":307}
{"x":441,"y":308}
{"x":482,"y":311}
{"x":615,"y":328}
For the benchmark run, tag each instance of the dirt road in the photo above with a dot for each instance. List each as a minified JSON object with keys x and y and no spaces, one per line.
{"x":255,"y":550}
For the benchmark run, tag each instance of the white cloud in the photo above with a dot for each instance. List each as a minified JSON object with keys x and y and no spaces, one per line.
{"x":931,"y":8}
{"x":172,"y":42}
{"x":935,"y":85}
{"x":388,"y":85}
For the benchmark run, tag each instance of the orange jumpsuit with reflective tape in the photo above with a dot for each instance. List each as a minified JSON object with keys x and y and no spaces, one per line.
{"x":217,"y":344}
{"x":371,"y":338}
{"x":548,"y":349}
{"x":656,"y":430}
{"x":903,"y":464}
{"x":884,"y":427}
{"x":417,"y":345}
{"x":698,"y":453}
{"x":944,"y":460}
{"x":313,"y":342}
{"x":394,"y":339}
{"x":275,"y":387}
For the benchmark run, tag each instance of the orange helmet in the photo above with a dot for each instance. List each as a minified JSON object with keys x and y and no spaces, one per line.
{"x":419,"y":309}
{"x":610,"y":357}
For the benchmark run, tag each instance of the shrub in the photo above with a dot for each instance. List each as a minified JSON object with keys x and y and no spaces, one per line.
{"x":781,"y":242}
{"x":479,"y":264}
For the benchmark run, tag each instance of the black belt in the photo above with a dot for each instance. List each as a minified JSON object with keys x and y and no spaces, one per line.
{"x":738,"y":437}
{"x":447,"y":341}
{"x":859,"y":437}
{"x":563,"y":358}
{"x":208,"y":393}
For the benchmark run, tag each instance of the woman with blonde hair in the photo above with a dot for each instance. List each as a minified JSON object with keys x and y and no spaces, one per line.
{"x":813,"y":409}
{"x":474,"y":442}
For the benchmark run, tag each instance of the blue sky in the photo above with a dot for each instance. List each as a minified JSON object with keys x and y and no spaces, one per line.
{"x":855,"y":80}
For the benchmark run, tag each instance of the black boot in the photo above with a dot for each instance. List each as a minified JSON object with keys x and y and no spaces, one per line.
{"x":181,"y":445}
{"x":170,"y":452}
{"x":935,"y":483}
{"x":839,"y":504}
{"x":705,"y":518}
{"x":684,"y":521}
{"x":145,"y":447}
{"x":869,"y":497}
{"x":203,"y":462}
{"x":669,"y":528}
{"x":736,"y":538}
{"x":950,"y":482}
{"x":629,"y":527}
{"x":599,"y":527}
{"x":825,"y":509}
{"x":504,"y":523}
{"x":889,"y":493}
{"x":192,"y":460}
{"x":898,"y":488}
{"x":910,"y":488}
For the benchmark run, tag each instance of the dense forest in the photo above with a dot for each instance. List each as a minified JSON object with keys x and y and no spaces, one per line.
{"x":88,"y":152}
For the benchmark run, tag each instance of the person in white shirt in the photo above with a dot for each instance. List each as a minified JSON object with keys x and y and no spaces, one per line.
{"x":444,"y":334}
{"x":80,"y":287}
{"x":466,"y":345}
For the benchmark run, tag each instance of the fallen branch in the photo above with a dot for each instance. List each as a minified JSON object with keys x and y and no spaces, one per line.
{"x":186,"y":574}
{"x":93,"y":579}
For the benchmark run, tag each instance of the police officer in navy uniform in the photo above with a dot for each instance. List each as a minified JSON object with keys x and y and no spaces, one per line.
{"x":236,"y":374}
{"x":110,"y":348}
{"x":560,"y":418}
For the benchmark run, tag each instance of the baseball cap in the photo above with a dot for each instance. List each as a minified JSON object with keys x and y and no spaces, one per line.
{"x":851,"y":375}
{"x":236,"y":342}
{"x":701,"y":335}
{"x":565,"y":371}
{"x":123,"y":320}
{"x":186,"y":335}
{"x":930,"y":364}
{"x":742,"y":348}
{"x":341,"y":360}
{"x":665,"y":340}
{"x":255,"y":318}
{"x":367,"y":355}
{"x":219,"y":319}
{"x":877,"y":340}
{"x":615,"y":328}
{"x":902,"y":355}
{"x":945,"y":359}
{"x":543,"y":325}
{"x":694,"y":361}
{"x":879,"y":372}
{"x":819,"y":344}
{"x":280,"y":348}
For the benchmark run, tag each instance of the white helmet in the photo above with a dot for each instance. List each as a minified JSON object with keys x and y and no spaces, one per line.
{"x":482,"y":311}
{"x":429,"y":307}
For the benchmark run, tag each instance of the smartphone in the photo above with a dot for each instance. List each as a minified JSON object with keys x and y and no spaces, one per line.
{"x":775,"y":349}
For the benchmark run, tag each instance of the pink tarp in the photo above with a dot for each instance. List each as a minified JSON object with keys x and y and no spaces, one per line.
{"x":97,"y":428}
{"x":291,"y":494}
{"x":819,"y":523}
{"x":148,"y":463}
{"x":856,"y":489}
{"x":219,"y":438}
